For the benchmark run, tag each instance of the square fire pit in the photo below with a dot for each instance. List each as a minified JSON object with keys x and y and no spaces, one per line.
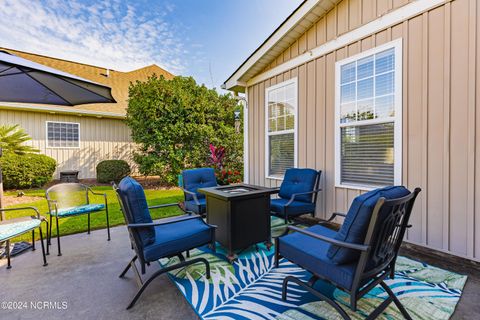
{"x":241,"y":213}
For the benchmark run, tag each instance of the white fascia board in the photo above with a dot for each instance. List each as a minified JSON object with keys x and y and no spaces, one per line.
{"x":275,"y":38}
{"x":60,"y":110}
{"x":395,"y":17}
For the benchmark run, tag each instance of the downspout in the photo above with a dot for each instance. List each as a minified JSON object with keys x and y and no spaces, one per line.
{"x":244,"y":99}
{"x":246,"y":178}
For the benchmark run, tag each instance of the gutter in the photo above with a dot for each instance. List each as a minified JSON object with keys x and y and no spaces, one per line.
{"x":61,"y":110}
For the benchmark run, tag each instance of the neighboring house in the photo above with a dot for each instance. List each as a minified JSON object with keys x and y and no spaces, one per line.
{"x":79,"y":137}
{"x":378,"y":92}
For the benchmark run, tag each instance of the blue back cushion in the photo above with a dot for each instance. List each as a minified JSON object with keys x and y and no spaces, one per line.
{"x":298,"y":181}
{"x":193,"y":179}
{"x":355,"y":226}
{"x":132,"y":193}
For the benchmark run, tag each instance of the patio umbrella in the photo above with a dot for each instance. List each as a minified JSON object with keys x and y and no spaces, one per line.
{"x":25,"y":81}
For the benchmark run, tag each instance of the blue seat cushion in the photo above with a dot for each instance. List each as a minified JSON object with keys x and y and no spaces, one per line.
{"x":194,"y":179}
{"x":137,"y":212}
{"x":177,"y":237}
{"x":73,"y":211}
{"x":311,"y":254}
{"x":10,"y":230}
{"x":296,"y":208}
{"x":190,"y":205}
{"x":355,"y":226}
{"x":297,"y":181}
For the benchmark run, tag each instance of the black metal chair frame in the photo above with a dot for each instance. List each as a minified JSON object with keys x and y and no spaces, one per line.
{"x":37,"y":216}
{"x":382,"y":243}
{"x":135,"y":239}
{"x":195,"y":198}
{"x":53,"y":207}
{"x":314,"y":194}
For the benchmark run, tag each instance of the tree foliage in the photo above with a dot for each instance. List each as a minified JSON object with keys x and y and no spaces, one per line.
{"x":12,"y":139}
{"x":175,"y":121}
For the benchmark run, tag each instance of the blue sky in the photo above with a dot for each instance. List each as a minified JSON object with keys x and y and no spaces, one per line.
{"x":207,"y":39}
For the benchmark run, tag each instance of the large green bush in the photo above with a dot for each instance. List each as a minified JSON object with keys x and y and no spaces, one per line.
{"x":112,"y":170}
{"x":174,"y":122}
{"x":27,"y":170}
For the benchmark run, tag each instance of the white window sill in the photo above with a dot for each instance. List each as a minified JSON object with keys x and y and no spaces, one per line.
{"x":357,"y":187}
{"x":274,"y":178}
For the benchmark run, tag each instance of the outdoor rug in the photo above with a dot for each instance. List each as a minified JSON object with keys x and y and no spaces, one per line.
{"x":251,"y":289}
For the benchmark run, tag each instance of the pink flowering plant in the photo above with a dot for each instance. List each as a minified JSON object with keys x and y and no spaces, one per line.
{"x":224,"y":174}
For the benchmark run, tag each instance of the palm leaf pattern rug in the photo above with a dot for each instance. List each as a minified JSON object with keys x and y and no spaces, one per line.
{"x":250,"y":288}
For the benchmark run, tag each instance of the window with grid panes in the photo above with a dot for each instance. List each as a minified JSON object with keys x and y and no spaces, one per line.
{"x":281,"y":115}
{"x":369,"y":118}
{"x":63,"y":134}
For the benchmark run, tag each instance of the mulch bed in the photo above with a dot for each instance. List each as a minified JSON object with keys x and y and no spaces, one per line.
{"x":14,"y":200}
{"x":150,"y":183}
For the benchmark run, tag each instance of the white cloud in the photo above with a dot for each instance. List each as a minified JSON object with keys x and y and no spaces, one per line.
{"x":106,"y":33}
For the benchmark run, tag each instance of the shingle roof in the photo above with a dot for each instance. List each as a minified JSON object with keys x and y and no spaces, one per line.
{"x":117,"y":80}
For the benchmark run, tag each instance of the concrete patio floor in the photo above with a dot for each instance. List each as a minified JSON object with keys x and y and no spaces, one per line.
{"x":84,"y":283}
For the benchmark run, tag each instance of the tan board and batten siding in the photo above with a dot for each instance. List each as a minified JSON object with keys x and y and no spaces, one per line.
{"x":100,"y":139}
{"x":441,"y":115}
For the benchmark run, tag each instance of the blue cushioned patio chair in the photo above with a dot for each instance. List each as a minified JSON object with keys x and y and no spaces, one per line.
{"x":360,"y":255}
{"x":297,"y":194}
{"x":73,"y":199}
{"x":15,"y":227}
{"x":152,"y":241}
{"x":192,"y":180}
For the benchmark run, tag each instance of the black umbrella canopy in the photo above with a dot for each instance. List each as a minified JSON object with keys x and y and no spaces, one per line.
{"x":25,"y":81}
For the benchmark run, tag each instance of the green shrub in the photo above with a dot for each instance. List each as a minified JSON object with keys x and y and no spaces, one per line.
{"x":173,"y":123}
{"x":112,"y":170}
{"x":26,"y":170}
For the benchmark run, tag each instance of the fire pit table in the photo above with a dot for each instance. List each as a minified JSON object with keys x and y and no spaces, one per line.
{"x":241,"y":213}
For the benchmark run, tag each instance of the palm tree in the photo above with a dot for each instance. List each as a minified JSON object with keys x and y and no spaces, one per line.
{"x":12,"y":138}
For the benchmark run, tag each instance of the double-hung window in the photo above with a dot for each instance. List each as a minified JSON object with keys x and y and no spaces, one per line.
{"x":281,"y":128}
{"x":63,"y":134}
{"x":368,"y":118}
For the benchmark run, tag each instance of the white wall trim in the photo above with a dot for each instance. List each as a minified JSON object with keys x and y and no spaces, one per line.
{"x":246,"y":145}
{"x":60,"y":110}
{"x":274,"y":39}
{"x":293,"y":81}
{"x":395,"y":17}
{"x":397,"y":119}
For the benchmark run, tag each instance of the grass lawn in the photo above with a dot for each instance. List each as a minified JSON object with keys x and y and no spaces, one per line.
{"x":76,"y":224}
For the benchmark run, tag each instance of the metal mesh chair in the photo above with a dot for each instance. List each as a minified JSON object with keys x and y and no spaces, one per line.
{"x":354,"y":267}
{"x":15,"y":227}
{"x":73,"y":199}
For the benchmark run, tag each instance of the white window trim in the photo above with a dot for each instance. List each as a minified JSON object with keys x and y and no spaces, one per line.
{"x":46,"y":135}
{"x":293,"y":81}
{"x":397,"y":144}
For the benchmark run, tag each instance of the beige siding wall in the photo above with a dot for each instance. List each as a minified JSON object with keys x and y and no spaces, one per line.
{"x":344,"y":17}
{"x":441,"y":121}
{"x":100,"y":139}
